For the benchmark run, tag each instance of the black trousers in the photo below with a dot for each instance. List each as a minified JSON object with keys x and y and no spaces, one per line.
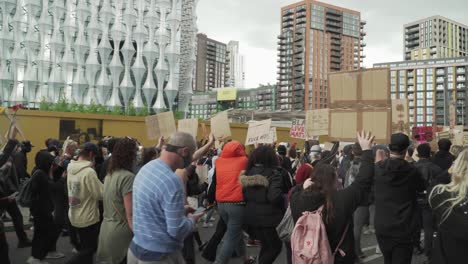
{"x":4,"y":249}
{"x":209,"y":253}
{"x":396,"y":251}
{"x":428,"y":225}
{"x":271,"y":244}
{"x":188,"y":251}
{"x":17,"y":218}
{"x":45,"y":236}
{"x":88,"y":237}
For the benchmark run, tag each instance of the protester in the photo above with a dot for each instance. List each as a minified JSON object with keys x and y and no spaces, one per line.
{"x":295,"y":162}
{"x":147,"y":155}
{"x":443,"y":158}
{"x":5,"y":200}
{"x":231,"y":206}
{"x":345,"y":162}
{"x":46,"y":232}
{"x":431,"y":174}
{"x":84,"y":192}
{"x":159,"y":221}
{"x":21,"y":161}
{"x":409,"y":155}
{"x":111,"y":142}
{"x":315,"y":155}
{"x":338,"y":206}
{"x":262,"y":192}
{"x":396,"y":186}
{"x":285,"y":162}
{"x":116,"y":229}
{"x":450,"y":205}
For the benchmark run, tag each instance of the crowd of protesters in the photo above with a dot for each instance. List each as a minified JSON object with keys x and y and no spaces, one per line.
{"x":120,"y":202}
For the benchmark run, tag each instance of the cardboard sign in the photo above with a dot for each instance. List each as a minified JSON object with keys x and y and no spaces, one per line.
{"x":297,"y":129}
{"x":220,"y":126}
{"x":400,"y":116}
{"x":360,"y":100}
{"x":162,"y":124}
{"x":188,"y":126}
{"x":258,"y":132}
{"x":317,"y":122}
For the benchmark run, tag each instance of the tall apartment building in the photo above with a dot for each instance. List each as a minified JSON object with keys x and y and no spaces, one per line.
{"x":431,"y":86}
{"x":237,"y":65}
{"x":212,"y":67}
{"x":316,"y":38}
{"x":435,"y":37}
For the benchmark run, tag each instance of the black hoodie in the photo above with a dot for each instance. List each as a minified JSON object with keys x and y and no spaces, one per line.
{"x":397,"y":184}
{"x":41,"y":185}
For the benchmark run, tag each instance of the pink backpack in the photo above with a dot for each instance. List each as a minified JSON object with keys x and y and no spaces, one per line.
{"x":309,"y":240}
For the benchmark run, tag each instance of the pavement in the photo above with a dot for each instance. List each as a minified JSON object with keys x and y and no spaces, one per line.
{"x":19,"y":256}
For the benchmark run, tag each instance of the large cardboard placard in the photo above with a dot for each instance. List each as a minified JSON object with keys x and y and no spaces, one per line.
{"x":272,"y":137}
{"x":220,"y":126}
{"x":360,"y":100}
{"x":188,"y":126}
{"x":297,"y":128}
{"x":258,"y":132}
{"x":400,"y":116}
{"x":317,"y":122}
{"x":162,"y":124}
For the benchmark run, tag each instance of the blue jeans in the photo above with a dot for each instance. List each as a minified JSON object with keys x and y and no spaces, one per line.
{"x":233,"y":216}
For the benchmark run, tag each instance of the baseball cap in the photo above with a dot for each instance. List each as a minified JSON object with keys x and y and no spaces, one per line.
{"x":399,"y":142}
{"x":89,"y":147}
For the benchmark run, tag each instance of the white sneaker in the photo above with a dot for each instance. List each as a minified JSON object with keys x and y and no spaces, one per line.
{"x":55,"y":255}
{"x":207,"y":225}
{"x":32,"y":260}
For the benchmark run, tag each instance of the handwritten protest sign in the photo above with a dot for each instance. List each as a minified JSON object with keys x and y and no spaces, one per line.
{"x":317,"y":122}
{"x":400,"y":117}
{"x":297,"y":128}
{"x":220,"y":126}
{"x":162,"y":124}
{"x":258,"y":132}
{"x":188,"y":126}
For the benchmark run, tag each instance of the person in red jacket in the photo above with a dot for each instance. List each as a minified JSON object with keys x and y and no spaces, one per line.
{"x":230,"y":200}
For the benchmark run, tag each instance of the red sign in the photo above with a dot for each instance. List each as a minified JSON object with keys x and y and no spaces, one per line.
{"x":425,"y":133}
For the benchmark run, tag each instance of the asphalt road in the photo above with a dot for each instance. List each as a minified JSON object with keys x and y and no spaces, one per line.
{"x":19,"y":256}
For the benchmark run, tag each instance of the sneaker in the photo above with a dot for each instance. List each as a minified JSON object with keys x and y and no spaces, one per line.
{"x":32,"y":260}
{"x":250,"y":260}
{"x":25,"y":243}
{"x":55,"y":255}
{"x":207,"y":225}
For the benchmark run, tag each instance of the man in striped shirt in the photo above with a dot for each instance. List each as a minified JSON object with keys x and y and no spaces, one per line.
{"x":160,"y":224}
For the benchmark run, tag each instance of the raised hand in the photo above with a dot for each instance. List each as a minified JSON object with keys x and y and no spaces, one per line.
{"x":365,"y":139}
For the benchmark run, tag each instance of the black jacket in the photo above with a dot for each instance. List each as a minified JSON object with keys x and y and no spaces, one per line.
{"x":451,"y":244}
{"x":431,"y":175}
{"x":345,"y":203}
{"x":21,"y":165}
{"x":443,"y":159}
{"x":8,"y":182}
{"x":397,"y":184}
{"x":262,"y":191}
{"x":41,"y":185}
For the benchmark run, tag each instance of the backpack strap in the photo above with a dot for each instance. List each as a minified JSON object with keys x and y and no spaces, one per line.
{"x":338,"y":249}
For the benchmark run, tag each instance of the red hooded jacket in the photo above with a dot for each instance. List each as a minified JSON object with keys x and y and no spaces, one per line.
{"x":228,"y":169}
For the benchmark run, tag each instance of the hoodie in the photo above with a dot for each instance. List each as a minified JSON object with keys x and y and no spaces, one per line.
{"x":41,"y":185}
{"x":397,"y":184}
{"x":84,"y":193}
{"x":228,"y":169}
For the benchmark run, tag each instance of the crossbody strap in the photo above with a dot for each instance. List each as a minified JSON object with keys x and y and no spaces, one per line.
{"x":342,"y":253}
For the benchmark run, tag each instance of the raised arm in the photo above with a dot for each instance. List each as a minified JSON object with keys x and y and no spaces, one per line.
{"x":203,"y":150}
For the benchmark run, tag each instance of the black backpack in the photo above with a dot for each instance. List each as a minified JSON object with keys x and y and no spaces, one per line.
{"x":24,"y":197}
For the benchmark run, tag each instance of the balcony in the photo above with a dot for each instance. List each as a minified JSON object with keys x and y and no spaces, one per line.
{"x":363,"y":22}
{"x":461,"y":79}
{"x":282,"y":48}
{"x":440,"y":72}
{"x":334,"y":30}
{"x":461,"y":71}
{"x":301,"y":14}
{"x":335,"y":54}
{"x":440,"y":80}
{"x":335,"y":36}
{"x":363,"y":44}
{"x":288,"y":18}
{"x":336,"y":42}
{"x":411,"y":37}
{"x":363,"y":33}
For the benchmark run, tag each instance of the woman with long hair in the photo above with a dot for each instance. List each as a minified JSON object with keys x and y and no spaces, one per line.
{"x":116,"y":230}
{"x":450,"y":206}
{"x":262,"y":188}
{"x":338,"y":205}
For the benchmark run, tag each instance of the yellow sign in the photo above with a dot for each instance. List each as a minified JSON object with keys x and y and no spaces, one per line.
{"x":227,"y":94}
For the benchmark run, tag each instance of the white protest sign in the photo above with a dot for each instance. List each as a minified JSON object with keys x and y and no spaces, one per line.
{"x":258,"y":132}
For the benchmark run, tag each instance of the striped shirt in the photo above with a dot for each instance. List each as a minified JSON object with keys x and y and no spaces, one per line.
{"x":159,"y":222}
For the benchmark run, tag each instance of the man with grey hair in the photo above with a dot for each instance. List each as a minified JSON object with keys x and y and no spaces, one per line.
{"x":160,"y":224}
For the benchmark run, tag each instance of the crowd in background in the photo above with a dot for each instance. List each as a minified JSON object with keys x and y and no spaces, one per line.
{"x":120,"y":202}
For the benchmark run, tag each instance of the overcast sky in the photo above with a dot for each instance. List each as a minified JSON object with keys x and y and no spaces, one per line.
{"x":255,"y":23}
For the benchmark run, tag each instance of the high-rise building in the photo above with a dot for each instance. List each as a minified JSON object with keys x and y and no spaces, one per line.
{"x":431,"y":86}
{"x":212,"y":67}
{"x":237,"y":64}
{"x":316,"y":38}
{"x":435,"y":37}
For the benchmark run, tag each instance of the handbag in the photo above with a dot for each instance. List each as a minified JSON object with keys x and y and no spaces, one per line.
{"x":286,"y":226}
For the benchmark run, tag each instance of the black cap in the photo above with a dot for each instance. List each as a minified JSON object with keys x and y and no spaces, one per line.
{"x":90,"y":147}
{"x":26,"y":146}
{"x":399,"y":142}
{"x":281,"y":150}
